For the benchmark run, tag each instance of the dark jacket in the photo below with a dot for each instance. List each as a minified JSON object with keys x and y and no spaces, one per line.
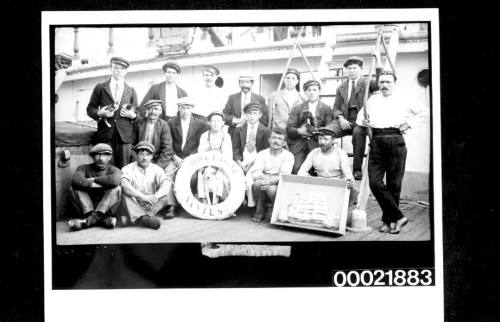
{"x":340,"y":106}
{"x":240,"y":139}
{"x":295,"y":141}
{"x":157,"y":92}
{"x":162,"y":140}
{"x":196,"y":128}
{"x":101,"y":97}
{"x":233,"y":108}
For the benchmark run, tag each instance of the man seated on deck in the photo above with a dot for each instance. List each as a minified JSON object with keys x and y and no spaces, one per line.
{"x":145,"y":187}
{"x":186,"y":131}
{"x":266,"y":170}
{"x":329,"y":161}
{"x":95,"y":190}
{"x":154,"y":130}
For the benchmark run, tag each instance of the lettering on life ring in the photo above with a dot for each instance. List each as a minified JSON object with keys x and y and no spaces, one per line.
{"x":184,"y":195}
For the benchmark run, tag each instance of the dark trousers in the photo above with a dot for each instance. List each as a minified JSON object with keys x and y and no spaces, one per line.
{"x":121,"y":151}
{"x":387,"y":157}
{"x":261,"y":196}
{"x":359,"y":134}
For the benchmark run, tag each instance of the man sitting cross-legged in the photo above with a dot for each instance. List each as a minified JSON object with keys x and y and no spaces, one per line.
{"x":145,"y":187}
{"x":95,"y":190}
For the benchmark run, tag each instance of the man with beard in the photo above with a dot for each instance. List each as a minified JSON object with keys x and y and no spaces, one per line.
{"x":302,"y":122}
{"x":168,"y":92}
{"x":329,"y":161}
{"x":113,"y":105}
{"x":349,"y":99}
{"x":95,"y":190}
{"x":145,"y":187}
{"x":267,"y":168}
{"x":234,"y":114}
{"x":390,"y":116}
{"x":154,"y":130}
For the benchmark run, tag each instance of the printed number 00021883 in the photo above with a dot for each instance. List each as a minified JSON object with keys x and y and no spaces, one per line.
{"x":384,"y":277}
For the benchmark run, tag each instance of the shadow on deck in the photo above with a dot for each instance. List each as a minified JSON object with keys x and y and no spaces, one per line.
{"x":188,"y":229}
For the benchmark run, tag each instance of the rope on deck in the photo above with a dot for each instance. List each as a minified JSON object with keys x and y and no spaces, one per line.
{"x":221,"y":250}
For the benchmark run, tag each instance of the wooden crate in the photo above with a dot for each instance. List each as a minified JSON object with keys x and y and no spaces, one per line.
{"x":337,"y":201}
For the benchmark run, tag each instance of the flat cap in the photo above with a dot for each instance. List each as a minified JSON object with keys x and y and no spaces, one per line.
{"x":212,"y":69}
{"x":354,"y":60}
{"x":173,"y":65}
{"x":215,"y":113}
{"x":120,"y":61}
{"x":324,"y":131}
{"x":293,"y":71}
{"x":101,"y":148}
{"x":186,"y":100}
{"x":145,"y":145}
{"x":311,"y":82}
{"x":246,"y":77}
{"x":252,"y":106}
{"x":152,"y":103}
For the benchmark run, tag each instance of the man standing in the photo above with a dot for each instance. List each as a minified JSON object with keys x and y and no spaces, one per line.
{"x":186,"y":132}
{"x":329,"y":161}
{"x":154,"y":130}
{"x":390,"y":117}
{"x":268,"y":166}
{"x":349,"y":99}
{"x":280,"y":103}
{"x":145,"y":187}
{"x":304,"y":119}
{"x":112,"y":105}
{"x":209,"y":97}
{"x":234,"y":114}
{"x":167,"y":92}
{"x":95,"y":190}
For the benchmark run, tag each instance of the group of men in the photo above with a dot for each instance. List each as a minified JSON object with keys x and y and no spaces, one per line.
{"x":141,"y":145}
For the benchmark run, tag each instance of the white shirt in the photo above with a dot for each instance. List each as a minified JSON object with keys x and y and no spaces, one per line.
{"x":267,"y":163}
{"x":209,"y":99}
{"x":170,"y":100}
{"x":185,"y":128}
{"x":252,"y":128}
{"x":245,"y":99}
{"x":148,"y":180}
{"x":390,"y":111}
{"x":117,"y":93}
{"x":312,"y":107}
{"x":349,"y":87}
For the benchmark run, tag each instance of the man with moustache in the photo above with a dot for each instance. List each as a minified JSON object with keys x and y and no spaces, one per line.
{"x":234,"y":114}
{"x":95,"y":190}
{"x":329,"y":161}
{"x":145,"y":187}
{"x":113,"y":105}
{"x":302,"y":122}
{"x":349,"y":99}
{"x":154,"y":130}
{"x":168,"y":92}
{"x":268,"y":166}
{"x":390,"y":116}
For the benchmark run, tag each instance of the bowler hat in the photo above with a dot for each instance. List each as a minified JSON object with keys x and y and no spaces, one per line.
{"x":311,"y":82}
{"x":152,"y":103}
{"x":101,"y":148}
{"x":354,"y":60}
{"x":145,"y":145}
{"x":173,"y":65}
{"x":252,"y":106}
{"x":120,"y":61}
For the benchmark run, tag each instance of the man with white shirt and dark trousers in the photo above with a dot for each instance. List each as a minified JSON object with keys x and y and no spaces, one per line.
{"x":349,"y":99}
{"x":186,"y":131}
{"x":303,"y":120}
{"x":167,"y":91}
{"x":234,"y":114}
{"x":390,"y":116}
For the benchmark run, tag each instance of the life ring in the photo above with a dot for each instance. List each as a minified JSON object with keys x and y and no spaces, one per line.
{"x":184,"y":195}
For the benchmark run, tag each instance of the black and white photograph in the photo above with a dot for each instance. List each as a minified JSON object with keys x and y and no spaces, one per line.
{"x":258,"y":141}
